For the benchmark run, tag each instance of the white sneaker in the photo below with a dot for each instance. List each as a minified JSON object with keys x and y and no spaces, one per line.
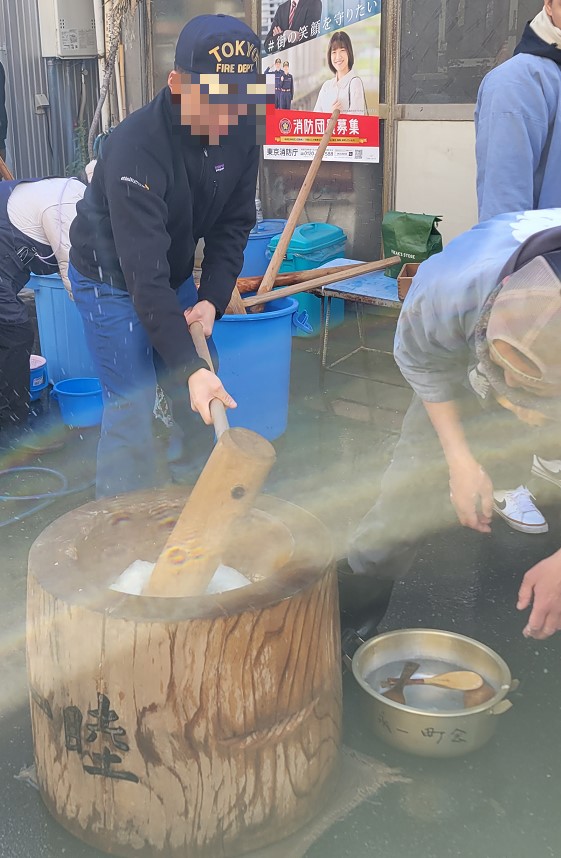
{"x":517,"y":507}
{"x":547,"y":469}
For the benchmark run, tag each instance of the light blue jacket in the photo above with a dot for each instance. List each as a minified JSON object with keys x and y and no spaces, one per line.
{"x":518,"y":136}
{"x":434,"y":344}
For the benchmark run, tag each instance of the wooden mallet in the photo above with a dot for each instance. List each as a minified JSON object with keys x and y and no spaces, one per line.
{"x":225,"y":491}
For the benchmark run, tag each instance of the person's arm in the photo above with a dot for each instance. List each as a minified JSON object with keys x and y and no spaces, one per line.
{"x":357,"y":102}
{"x":541,"y":588}
{"x":432,"y":351}
{"x":512,"y":124}
{"x":430,"y":346}
{"x":226,"y":240}
{"x":56,"y":222}
{"x":471,"y":490}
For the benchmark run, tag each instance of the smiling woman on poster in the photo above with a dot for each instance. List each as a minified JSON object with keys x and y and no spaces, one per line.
{"x":345,"y":91}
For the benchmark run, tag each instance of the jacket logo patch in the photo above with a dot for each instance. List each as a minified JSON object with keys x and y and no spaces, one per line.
{"x":132,"y":181}
{"x":218,"y":168}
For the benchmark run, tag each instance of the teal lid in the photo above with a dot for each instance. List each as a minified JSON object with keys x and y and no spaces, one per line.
{"x":312,"y":236}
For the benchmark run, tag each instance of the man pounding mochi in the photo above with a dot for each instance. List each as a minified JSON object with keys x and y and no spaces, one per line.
{"x":183,"y":167}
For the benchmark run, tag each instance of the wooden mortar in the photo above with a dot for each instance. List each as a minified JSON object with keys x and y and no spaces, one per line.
{"x":206,"y":726}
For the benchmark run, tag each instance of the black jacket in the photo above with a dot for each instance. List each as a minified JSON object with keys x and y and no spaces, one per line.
{"x":306,"y":13}
{"x":155,"y":192}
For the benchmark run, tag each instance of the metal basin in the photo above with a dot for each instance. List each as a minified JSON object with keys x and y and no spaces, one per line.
{"x":426,"y":733}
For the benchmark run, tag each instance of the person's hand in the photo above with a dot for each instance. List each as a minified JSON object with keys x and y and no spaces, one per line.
{"x":541,"y":588}
{"x":471,"y":493}
{"x":277,"y":31}
{"x":204,"y":386}
{"x":203,"y":312}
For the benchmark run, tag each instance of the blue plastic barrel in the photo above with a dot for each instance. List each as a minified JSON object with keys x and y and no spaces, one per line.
{"x":255,"y":261}
{"x":254,"y":352}
{"x":79,"y":400}
{"x":61,"y":331}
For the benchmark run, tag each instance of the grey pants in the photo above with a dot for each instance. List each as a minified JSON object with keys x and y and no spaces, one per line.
{"x":414,"y":496}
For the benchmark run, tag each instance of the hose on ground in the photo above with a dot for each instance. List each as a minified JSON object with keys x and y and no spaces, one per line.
{"x":44,"y":498}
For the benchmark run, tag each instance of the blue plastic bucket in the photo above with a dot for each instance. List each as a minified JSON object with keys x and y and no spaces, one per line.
{"x":38,"y":378}
{"x":79,"y":400}
{"x":255,"y":261}
{"x":254,"y":352}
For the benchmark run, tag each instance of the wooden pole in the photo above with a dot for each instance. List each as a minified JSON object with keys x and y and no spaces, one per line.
{"x":236,"y":306}
{"x":276,"y":260}
{"x":325,"y":280}
{"x":4,"y":171}
{"x":251,"y":284}
{"x":121,"y":85}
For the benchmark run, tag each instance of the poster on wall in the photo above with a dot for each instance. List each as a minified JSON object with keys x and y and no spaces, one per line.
{"x":323,"y":54}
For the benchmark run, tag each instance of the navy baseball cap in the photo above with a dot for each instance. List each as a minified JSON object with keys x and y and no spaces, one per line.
{"x":222,"y":54}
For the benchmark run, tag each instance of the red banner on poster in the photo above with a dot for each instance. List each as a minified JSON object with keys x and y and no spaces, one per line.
{"x":293,"y":134}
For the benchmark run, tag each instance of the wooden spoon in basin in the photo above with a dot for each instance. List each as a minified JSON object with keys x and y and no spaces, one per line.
{"x":396,"y":693}
{"x":479,"y":695}
{"x":457,"y":680}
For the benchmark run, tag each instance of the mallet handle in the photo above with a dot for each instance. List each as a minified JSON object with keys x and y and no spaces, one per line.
{"x":217,"y":410}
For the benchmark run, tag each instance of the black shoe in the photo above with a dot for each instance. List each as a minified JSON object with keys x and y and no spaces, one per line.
{"x":363,"y":600}
{"x":351,"y":641}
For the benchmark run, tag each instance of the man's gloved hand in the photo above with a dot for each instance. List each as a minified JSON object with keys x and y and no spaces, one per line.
{"x":203,"y":312}
{"x":204,"y":386}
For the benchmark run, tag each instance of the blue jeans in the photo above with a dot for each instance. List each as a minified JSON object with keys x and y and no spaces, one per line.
{"x":128,"y":369}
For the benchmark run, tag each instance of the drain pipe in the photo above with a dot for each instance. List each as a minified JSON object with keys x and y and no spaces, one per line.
{"x":54,"y":99}
{"x":100,"y":43}
{"x":67,"y":116}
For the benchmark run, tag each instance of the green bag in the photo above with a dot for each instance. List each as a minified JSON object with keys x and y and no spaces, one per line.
{"x":413,"y":237}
